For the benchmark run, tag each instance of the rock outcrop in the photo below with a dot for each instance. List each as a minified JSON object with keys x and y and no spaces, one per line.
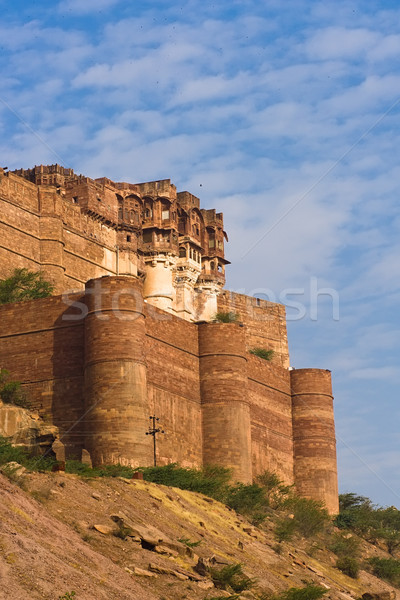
{"x":26,"y":429}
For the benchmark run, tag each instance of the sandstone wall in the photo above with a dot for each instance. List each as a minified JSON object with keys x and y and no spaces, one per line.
{"x":271,"y":418}
{"x":40,"y":230}
{"x":19,"y":225}
{"x":43,"y":348}
{"x":265,"y":323}
{"x":120,"y":360}
{"x":174,"y":386}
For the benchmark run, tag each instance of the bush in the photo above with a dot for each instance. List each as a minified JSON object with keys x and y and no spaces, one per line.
{"x":231,"y":576}
{"x":11,"y":392}
{"x":310,"y":592}
{"x":345,"y":546}
{"x":9,"y":453}
{"x":248,"y":500}
{"x":284,"y":529}
{"x":386,"y":568}
{"x":24,"y":285}
{"x":358,"y":514}
{"x":276,"y":493}
{"x":262,"y":353}
{"x":188,"y":543}
{"x":226,"y":317}
{"x":211,"y":481}
{"x":349,"y":566}
{"x":310,"y":516}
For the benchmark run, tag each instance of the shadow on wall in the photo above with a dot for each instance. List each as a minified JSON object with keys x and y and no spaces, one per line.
{"x":67,"y":391}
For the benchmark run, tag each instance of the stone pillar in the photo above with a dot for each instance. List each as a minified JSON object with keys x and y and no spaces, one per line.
{"x":116,"y":408}
{"x":225,"y":408}
{"x":158,"y":284}
{"x":315,"y":468}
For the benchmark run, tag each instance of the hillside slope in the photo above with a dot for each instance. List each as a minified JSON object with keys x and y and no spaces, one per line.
{"x":58,"y":536}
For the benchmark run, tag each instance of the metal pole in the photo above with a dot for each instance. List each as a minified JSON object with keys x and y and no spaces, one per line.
{"x":153,"y":430}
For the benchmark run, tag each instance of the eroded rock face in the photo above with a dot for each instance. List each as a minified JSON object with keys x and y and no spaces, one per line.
{"x":26,"y":429}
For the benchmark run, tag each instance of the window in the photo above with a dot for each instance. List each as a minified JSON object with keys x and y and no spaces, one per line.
{"x":128,"y":238}
{"x":75,"y":199}
{"x":182,"y":252}
{"x":148,"y":213}
{"x":165,"y":214}
{"x":212,"y":266}
{"x":147,"y":237}
{"x":211,"y":243}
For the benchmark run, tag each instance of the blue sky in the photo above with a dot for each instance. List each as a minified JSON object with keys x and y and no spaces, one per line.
{"x":285,"y":116}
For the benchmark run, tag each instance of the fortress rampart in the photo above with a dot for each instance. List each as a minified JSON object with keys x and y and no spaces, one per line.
{"x":136,"y":337}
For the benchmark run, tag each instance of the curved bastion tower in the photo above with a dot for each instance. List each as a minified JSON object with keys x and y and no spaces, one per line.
{"x":139,"y":274}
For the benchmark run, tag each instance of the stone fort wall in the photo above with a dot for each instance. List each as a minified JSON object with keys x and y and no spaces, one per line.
{"x":148,"y":257}
{"x":100,"y":367}
{"x":40,"y":230}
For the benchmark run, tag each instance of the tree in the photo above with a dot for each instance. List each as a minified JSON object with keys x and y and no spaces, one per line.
{"x":11,"y":392}
{"x":24,"y":285}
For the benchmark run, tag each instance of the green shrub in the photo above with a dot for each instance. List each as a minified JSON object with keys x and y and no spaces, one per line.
{"x":226,"y":317}
{"x":310,"y":592}
{"x":83,"y":470}
{"x":284,"y":529}
{"x":211,"y":481}
{"x":386,"y":568}
{"x":310,"y":516}
{"x":67,"y":596}
{"x":9,"y":453}
{"x":24,"y":285}
{"x":11,"y":392}
{"x":123,"y":531}
{"x":373,"y":523}
{"x":231,"y":576}
{"x":188,"y":543}
{"x":248,"y":500}
{"x":349,"y":566}
{"x":78,"y":468}
{"x":345,"y":546}
{"x":262,"y":353}
{"x":276,"y":493}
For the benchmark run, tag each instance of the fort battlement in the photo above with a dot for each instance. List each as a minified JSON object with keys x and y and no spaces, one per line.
{"x":136,"y":336}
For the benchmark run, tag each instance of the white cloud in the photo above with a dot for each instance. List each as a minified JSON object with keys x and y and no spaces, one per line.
{"x":82,"y":7}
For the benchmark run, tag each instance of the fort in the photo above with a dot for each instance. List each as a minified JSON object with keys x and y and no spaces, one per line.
{"x":139,"y":273}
